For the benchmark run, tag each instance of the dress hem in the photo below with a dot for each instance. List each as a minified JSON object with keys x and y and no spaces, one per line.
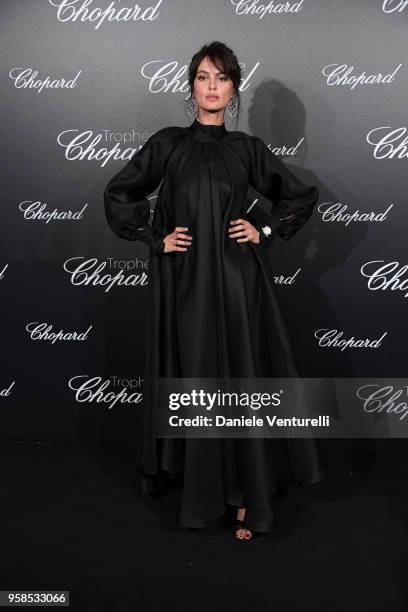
{"x":261,"y":527}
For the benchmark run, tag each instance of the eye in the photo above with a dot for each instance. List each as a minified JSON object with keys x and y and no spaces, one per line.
{"x":200,"y":77}
{"x":224,"y":78}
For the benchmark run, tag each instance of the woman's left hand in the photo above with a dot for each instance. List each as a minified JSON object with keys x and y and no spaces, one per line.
{"x":244,"y":230}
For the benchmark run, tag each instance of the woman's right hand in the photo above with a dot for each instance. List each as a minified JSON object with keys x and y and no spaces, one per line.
{"x":175,"y":239}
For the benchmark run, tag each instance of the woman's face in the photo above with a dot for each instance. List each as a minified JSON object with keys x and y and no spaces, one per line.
{"x":209,"y":81}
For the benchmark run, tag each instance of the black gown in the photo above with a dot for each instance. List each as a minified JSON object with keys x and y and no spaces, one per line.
{"x":213,"y":311}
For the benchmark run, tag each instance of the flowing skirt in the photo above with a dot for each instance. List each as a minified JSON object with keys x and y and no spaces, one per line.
{"x":215,"y":321}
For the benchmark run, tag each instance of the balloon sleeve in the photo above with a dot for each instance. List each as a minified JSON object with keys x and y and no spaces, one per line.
{"x":293,"y":201}
{"x":125,"y":197}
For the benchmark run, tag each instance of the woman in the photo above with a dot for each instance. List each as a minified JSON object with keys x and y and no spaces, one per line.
{"x":213,"y":311}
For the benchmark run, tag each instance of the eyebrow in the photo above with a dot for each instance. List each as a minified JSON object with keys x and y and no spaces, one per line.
{"x":206,"y":71}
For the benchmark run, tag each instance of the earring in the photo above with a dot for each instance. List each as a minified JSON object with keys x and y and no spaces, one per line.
{"x":232,"y":106}
{"x":192,"y":106}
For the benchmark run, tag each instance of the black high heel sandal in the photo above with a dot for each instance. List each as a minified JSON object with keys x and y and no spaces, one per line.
{"x":240,"y":524}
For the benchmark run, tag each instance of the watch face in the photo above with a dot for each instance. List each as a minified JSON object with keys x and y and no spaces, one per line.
{"x":266,"y":230}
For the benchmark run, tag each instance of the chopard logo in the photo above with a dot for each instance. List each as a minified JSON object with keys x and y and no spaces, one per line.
{"x":35,"y":211}
{"x":392,"y":6}
{"x":93,"y":390}
{"x":89,"y":272}
{"x":387,"y":276}
{"x":78,"y":10}
{"x":384,"y":146}
{"x":42,"y":331}
{"x":384,"y":399}
{"x":342,"y":75}
{"x":84,"y":145}
{"x":27,"y":79}
{"x":335,"y":213}
{"x":254,"y":7}
{"x":167,"y":76}
{"x":332,"y":338}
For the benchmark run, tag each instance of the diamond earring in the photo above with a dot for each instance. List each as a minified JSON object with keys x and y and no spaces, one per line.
{"x":192,"y":106}
{"x":232,"y":106}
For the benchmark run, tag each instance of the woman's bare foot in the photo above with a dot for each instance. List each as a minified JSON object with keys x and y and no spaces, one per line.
{"x":242,"y":533}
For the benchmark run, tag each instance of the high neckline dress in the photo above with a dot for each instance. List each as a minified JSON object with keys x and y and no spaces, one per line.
{"x":213,"y":311}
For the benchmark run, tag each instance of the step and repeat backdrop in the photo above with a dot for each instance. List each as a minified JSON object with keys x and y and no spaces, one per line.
{"x":85,"y":83}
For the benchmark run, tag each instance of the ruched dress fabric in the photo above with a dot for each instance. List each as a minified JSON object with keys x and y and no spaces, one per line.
{"x":212,"y":310}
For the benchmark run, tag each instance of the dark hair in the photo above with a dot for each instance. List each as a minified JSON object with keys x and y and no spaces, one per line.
{"x":226,"y":61}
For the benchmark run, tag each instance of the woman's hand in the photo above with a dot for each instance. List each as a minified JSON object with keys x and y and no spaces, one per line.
{"x":175,"y":239}
{"x":242,"y":227}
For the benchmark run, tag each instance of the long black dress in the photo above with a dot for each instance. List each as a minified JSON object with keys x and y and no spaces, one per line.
{"x":212,"y":309}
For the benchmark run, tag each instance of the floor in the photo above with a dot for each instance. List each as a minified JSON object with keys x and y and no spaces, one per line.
{"x":73,"y":518}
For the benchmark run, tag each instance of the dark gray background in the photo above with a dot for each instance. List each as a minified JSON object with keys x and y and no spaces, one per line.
{"x":287,"y":98}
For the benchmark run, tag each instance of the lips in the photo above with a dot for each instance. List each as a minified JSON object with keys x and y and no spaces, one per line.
{"x":212,"y":97}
